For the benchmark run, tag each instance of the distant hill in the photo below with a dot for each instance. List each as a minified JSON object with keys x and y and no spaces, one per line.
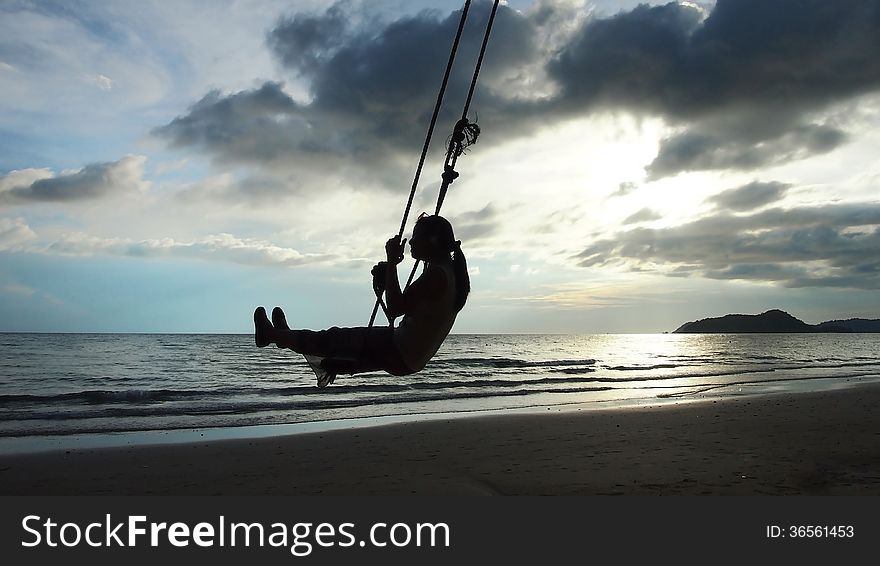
{"x":853,"y":324}
{"x":771,"y":321}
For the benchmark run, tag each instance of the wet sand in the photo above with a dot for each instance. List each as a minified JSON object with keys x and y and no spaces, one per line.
{"x":825,"y":443}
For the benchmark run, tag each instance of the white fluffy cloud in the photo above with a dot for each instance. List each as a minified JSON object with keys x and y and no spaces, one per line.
{"x":14,"y":234}
{"x":220,"y":247}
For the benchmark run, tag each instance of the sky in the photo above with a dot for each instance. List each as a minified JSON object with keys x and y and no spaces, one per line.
{"x":169,"y":166}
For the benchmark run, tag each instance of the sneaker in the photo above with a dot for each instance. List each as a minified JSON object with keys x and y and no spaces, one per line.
{"x":325,"y":377}
{"x":262,"y":328}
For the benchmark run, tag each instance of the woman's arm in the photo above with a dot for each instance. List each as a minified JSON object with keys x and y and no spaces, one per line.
{"x":422,"y":290}
{"x":394,"y":255}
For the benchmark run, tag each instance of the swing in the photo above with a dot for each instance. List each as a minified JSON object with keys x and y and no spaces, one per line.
{"x":464,"y":134}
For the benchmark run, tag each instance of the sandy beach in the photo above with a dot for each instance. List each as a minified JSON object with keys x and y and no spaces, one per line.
{"x":820,"y":443}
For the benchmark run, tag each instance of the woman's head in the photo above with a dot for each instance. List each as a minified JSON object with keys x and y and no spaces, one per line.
{"x":434,"y":240}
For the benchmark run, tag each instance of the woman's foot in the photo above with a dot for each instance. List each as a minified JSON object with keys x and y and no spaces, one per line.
{"x":324,"y":376}
{"x":279,"y":321}
{"x":263,"y":330}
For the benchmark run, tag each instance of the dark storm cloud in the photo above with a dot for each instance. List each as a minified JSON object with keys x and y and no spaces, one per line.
{"x":749,"y":81}
{"x":747,"y":84}
{"x":834,"y":245}
{"x":264,"y":124}
{"x":372,"y":92}
{"x":306,"y":42}
{"x":746,"y":52}
{"x":723,"y":143}
{"x":751,"y":196}
{"x":393,"y":70}
{"x":633,"y":59}
{"x":94,"y":181}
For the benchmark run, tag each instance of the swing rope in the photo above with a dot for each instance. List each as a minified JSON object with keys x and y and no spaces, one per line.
{"x":437,"y":106}
{"x":464,"y":134}
{"x":412,"y":192}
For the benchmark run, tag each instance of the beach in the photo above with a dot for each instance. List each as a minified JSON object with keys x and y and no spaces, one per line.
{"x":813,"y":443}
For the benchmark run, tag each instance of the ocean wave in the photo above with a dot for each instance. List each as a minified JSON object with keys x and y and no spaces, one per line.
{"x":98,"y":397}
{"x":643,"y":367}
{"x":510,"y":362}
{"x":140,"y":396}
{"x":703,"y":387}
{"x":278,"y":405}
{"x":126,"y":418}
{"x":571,"y":376}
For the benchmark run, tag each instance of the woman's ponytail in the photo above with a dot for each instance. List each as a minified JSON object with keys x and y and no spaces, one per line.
{"x":462,"y":279}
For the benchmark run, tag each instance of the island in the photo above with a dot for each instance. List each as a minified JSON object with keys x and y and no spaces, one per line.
{"x":773,"y":321}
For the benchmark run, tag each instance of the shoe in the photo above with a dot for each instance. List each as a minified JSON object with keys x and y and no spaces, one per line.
{"x":325,"y":377}
{"x":262,"y":328}
{"x":278,"y":319}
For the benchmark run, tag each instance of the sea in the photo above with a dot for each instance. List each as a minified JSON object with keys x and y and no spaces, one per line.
{"x":60,"y":390}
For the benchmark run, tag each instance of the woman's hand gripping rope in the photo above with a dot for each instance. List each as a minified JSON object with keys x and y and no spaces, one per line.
{"x":394,"y":250}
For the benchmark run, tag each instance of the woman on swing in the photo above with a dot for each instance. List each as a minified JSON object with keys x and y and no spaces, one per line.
{"x":429,"y":307}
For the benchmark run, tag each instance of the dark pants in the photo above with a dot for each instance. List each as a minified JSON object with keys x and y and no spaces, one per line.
{"x":348,"y":350}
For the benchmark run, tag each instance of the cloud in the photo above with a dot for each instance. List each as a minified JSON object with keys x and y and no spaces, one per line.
{"x":828,"y":246}
{"x":78,"y":62}
{"x":748,"y":81}
{"x":22,"y":178}
{"x":372,"y":90}
{"x":718,"y":144}
{"x":306,"y":42}
{"x":220,"y":247}
{"x":94,"y":181}
{"x":473,"y":226}
{"x":643,"y":215}
{"x":255,"y":191}
{"x":686,"y":63}
{"x":257,"y":125}
{"x":624,"y":189}
{"x":100,"y":81}
{"x":14,"y":233}
{"x":748,"y":84}
{"x":17,"y":290}
{"x":751,"y":196}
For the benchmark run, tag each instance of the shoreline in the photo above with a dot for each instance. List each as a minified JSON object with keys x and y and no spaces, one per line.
{"x":42,"y":443}
{"x":816,"y":443}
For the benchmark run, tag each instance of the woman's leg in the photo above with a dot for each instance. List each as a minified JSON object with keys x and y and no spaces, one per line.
{"x":294,"y":340}
{"x":322,"y":343}
{"x":344,"y":350}
{"x":333,"y":351}
{"x":357,"y":345}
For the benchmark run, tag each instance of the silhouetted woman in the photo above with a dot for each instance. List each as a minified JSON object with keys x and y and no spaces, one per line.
{"x":429,"y":307}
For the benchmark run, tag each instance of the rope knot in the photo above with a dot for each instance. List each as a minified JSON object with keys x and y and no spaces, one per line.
{"x":449,"y":175}
{"x":464,"y":135}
